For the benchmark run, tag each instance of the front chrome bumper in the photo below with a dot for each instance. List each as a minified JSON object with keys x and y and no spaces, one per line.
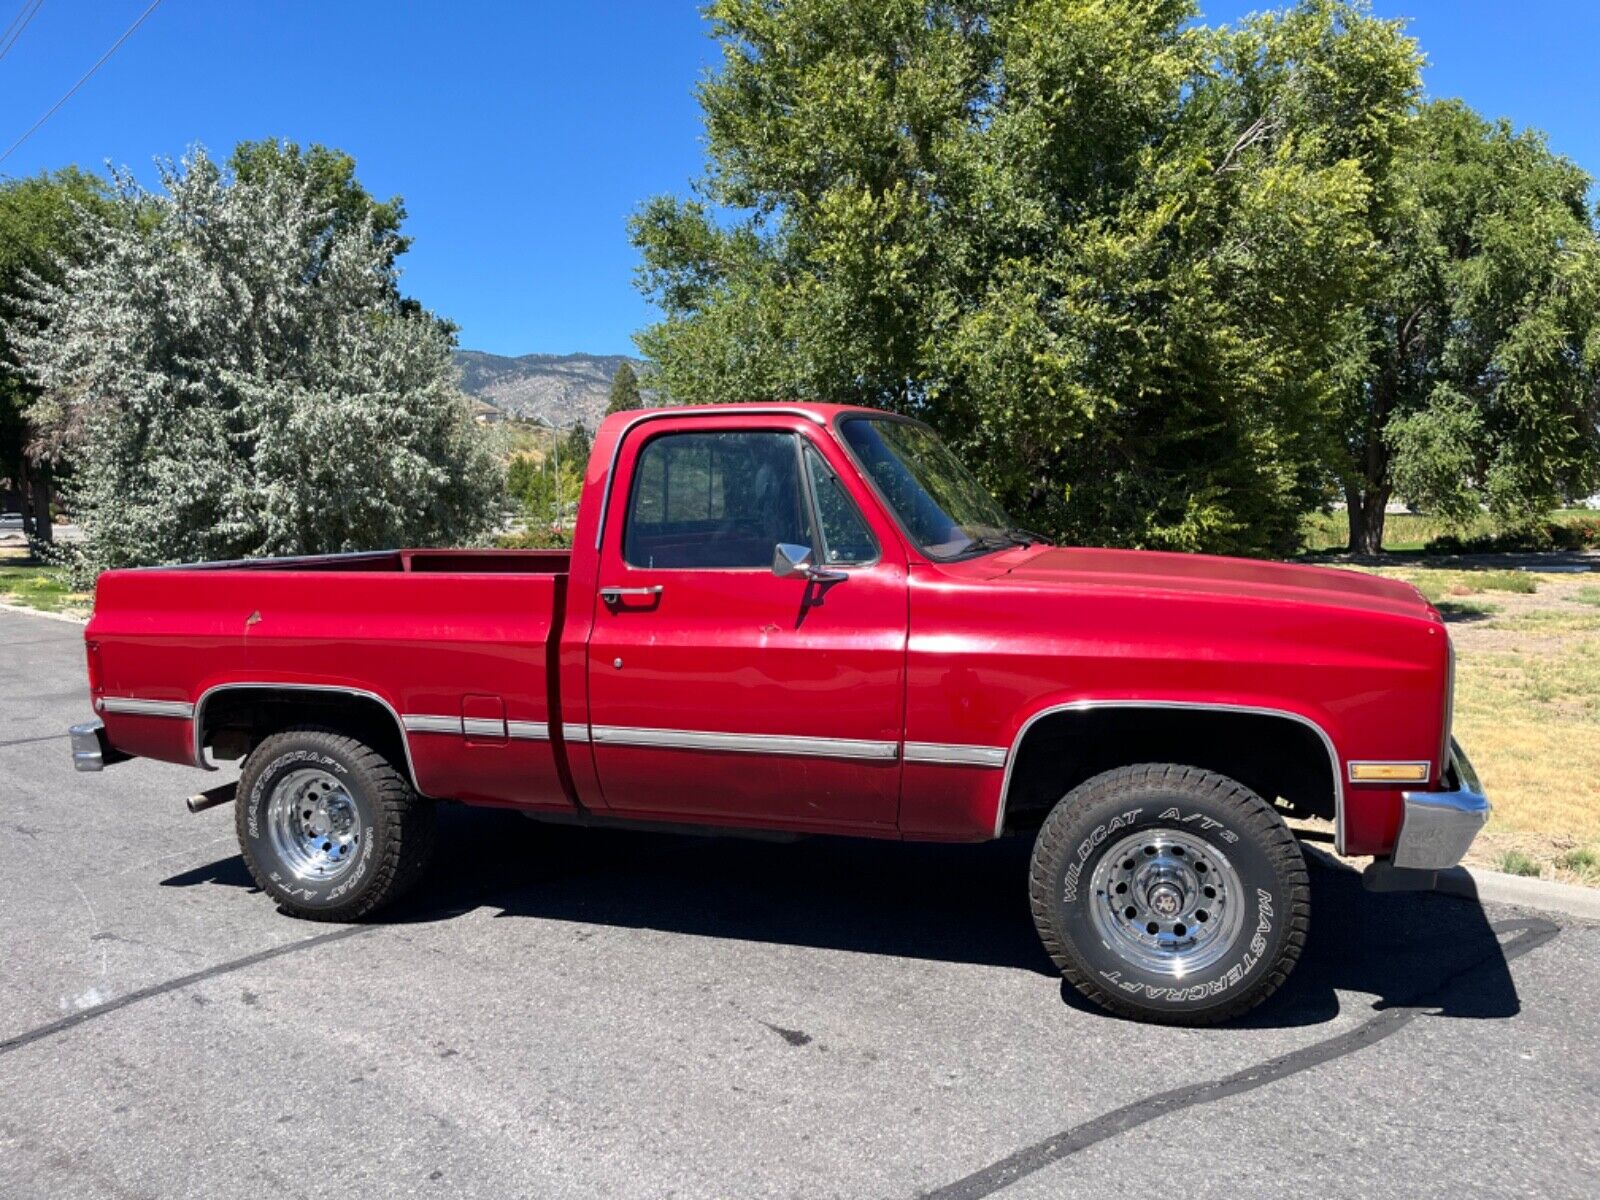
{"x":1436,"y":828}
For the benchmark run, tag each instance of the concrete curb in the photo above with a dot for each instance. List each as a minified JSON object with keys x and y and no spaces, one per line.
{"x":48,"y":616}
{"x":1474,"y":883}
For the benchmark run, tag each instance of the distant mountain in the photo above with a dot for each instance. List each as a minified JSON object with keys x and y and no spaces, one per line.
{"x":563,"y":389}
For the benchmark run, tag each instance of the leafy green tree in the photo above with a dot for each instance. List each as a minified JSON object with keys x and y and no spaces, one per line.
{"x":624,"y":390}
{"x":230,"y":372}
{"x":39,"y":218}
{"x":1483,"y":382}
{"x":1120,"y":259}
{"x":546,"y":489}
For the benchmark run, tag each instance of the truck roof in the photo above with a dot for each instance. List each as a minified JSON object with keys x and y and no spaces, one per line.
{"x":820,"y":413}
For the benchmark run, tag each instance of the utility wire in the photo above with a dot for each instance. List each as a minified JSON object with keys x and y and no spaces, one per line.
{"x":72,"y":91}
{"x":19,"y":22}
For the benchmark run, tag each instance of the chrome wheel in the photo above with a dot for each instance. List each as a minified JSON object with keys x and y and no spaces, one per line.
{"x":314,"y":824}
{"x":1166,"y":902}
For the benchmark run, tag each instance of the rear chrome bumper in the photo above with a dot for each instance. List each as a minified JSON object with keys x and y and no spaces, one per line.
{"x":87,"y":752}
{"x":90,"y":750}
{"x":1436,"y":828}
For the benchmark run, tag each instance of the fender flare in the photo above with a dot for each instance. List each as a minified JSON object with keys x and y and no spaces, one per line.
{"x":1087,"y":705}
{"x":329,"y":689}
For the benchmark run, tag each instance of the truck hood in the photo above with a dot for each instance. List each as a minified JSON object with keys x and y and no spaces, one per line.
{"x":1153,"y":571}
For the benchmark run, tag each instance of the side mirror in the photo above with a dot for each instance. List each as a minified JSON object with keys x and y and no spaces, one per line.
{"x":789,"y":559}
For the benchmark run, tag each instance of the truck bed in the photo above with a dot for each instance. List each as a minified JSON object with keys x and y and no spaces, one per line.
{"x":174,"y":652}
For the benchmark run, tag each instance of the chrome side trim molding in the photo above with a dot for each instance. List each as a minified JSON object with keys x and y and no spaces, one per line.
{"x":528,"y":731}
{"x":687,"y":410}
{"x":181,"y":709}
{"x":1199,"y":705}
{"x":493,"y":727}
{"x":329,"y":689}
{"x":426,"y":723}
{"x":955,"y":754}
{"x":745,"y":743}
{"x":575,"y":733}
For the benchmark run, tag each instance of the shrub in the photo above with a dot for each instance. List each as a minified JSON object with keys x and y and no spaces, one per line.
{"x":1515,"y":862}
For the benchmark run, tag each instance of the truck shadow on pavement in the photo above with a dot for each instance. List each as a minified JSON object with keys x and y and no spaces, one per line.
{"x":961,"y":904}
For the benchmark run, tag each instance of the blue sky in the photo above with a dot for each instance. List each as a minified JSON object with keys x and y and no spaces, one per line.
{"x":521,"y":135}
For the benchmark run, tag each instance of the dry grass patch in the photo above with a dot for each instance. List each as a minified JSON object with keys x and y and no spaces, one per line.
{"x":1528,"y":711}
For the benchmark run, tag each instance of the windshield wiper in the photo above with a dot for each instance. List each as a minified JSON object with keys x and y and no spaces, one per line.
{"x":984,"y":542}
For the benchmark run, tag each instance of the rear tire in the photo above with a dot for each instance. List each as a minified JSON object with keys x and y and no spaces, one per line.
{"x":329,"y":828}
{"x":1170,"y":894}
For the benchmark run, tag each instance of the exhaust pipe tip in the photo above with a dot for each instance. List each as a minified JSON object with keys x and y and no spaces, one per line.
{"x":221,"y":794}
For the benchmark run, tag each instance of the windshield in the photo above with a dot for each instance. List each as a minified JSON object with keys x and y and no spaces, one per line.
{"x":946,"y":511}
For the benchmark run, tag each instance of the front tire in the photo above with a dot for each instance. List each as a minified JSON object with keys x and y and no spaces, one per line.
{"x":1170,"y":894}
{"x":329,"y":828}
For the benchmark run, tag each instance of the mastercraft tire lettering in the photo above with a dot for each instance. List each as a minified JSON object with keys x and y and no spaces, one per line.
{"x":1168,"y":893}
{"x":328,"y":826}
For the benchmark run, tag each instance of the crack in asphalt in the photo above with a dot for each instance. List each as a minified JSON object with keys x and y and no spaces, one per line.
{"x":1532,"y":932}
{"x":72,"y":1020}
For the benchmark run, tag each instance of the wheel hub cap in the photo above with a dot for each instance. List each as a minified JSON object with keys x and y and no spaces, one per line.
{"x":314,"y":824}
{"x":1167,"y":902}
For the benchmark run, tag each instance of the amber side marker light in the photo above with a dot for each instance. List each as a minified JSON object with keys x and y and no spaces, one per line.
{"x":1389,"y":772}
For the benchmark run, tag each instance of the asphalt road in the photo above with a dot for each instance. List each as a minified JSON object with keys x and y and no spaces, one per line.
{"x":575,"y":1013}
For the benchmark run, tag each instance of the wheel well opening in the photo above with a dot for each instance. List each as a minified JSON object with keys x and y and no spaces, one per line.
{"x":236,"y":720}
{"x":1277,"y":757}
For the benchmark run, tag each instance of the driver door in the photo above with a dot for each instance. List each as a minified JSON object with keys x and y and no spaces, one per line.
{"x":718,"y":690}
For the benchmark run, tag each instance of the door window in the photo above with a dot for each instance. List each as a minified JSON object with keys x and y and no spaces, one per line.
{"x":715,"y":501}
{"x":845,"y":537}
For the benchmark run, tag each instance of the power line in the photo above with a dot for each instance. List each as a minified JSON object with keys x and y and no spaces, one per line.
{"x":73,"y":90}
{"x":26,"y":4}
{"x":19,"y":22}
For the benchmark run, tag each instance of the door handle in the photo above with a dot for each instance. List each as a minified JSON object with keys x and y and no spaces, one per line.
{"x":612,"y":594}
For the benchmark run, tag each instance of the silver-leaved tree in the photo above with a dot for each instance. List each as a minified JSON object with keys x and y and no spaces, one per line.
{"x":230,"y":371}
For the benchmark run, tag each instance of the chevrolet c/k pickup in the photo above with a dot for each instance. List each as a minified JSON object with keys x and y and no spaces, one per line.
{"x":813,"y":619}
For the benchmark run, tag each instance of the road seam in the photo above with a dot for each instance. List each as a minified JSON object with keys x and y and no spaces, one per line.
{"x":28,"y":741}
{"x":1532,"y":932}
{"x":73,"y":1020}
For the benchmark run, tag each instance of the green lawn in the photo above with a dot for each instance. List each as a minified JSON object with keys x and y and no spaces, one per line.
{"x":41,"y":587}
{"x":1323,"y":532}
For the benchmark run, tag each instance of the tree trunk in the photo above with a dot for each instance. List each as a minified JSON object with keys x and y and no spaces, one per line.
{"x":1367,"y":509}
{"x":1367,"y":489}
{"x":44,"y":529}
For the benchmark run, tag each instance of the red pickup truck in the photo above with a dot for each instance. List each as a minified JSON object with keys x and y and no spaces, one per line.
{"x":812,"y":618}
